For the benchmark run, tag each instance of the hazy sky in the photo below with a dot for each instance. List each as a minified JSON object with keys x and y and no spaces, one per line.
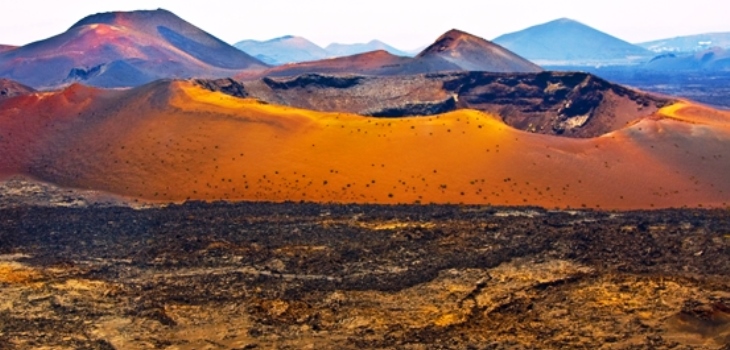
{"x":404,"y":24}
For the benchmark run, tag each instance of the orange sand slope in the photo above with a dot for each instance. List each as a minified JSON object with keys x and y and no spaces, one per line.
{"x":174,"y":141}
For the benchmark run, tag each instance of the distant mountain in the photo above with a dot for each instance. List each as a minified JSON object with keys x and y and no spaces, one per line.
{"x":119,"y":49}
{"x":453,"y":51}
{"x":568,"y":42}
{"x":690,"y":43}
{"x":4,"y":48}
{"x":341,"y":50}
{"x":416,"y":51}
{"x":715,"y":59}
{"x":472,"y":53}
{"x":293,"y":49}
{"x":286,"y":49}
{"x":369,"y":63}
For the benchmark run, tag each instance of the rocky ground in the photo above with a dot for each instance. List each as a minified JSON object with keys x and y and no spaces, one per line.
{"x":306,"y":276}
{"x":20,"y":191}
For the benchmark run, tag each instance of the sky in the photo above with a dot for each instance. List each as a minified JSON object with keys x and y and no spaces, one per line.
{"x":403,"y":24}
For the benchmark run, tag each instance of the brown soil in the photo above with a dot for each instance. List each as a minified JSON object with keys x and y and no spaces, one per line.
{"x":306,"y":276}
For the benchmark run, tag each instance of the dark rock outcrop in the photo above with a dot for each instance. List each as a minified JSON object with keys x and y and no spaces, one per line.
{"x":567,"y":42}
{"x":316,"y":81}
{"x":226,"y":86}
{"x":125,"y":49}
{"x":417,"y":108}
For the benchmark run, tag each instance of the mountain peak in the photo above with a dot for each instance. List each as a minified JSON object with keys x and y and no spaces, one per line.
{"x":565,"y":20}
{"x":283,"y":50}
{"x":454,"y":31}
{"x":471,"y":52}
{"x":565,"y":40}
{"x":117,"y":16}
{"x":449,"y":41}
{"x":456,"y":34}
{"x":452,"y":39}
{"x":120,"y":49}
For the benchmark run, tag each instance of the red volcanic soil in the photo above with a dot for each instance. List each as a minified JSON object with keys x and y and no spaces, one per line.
{"x":453,"y":51}
{"x":31,"y":122}
{"x":124,"y":49}
{"x":172,"y":141}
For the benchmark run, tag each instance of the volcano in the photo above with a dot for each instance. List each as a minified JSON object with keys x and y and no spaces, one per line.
{"x":120,"y":49}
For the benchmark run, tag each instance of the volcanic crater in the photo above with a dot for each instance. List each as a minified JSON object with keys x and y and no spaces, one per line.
{"x":577,"y":105}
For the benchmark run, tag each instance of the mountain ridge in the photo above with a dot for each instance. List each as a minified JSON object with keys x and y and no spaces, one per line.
{"x":282,"y":50}
{"x":463,"y":51}
{"x":471,"y":52}
{"x":565,"y":41}
{"x":715,"y":59}
{"x":340,"y":49}
{"x":688,"y":43}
